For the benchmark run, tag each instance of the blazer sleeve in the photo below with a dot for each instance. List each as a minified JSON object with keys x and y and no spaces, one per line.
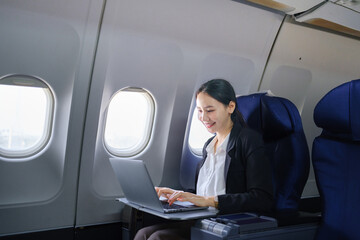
{"x":251,"y":169}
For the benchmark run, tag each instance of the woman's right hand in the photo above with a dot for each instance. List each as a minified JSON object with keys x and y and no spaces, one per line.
{"x":165,"y":192}
{"x":176,"y":195}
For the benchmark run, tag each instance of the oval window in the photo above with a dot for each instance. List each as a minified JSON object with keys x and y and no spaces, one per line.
{"x":198,"y":134}
{"x":26,"y":106}
{"x":129,"y":121}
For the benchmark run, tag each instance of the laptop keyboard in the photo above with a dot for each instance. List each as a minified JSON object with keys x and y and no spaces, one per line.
{"x":173,"y":206}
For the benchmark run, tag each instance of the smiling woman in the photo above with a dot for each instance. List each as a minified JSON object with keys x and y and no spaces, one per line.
{"x":234,"y":174}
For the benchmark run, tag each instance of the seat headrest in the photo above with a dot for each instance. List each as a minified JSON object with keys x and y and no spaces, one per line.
{"x":270,"y":115}
{"x":276,"y":118}
{"x":249,"y":106}
{"x":338,"y":112}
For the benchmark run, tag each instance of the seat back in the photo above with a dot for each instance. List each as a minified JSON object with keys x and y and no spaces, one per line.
{"x":279,"y":121}
{"x":336,"y":161}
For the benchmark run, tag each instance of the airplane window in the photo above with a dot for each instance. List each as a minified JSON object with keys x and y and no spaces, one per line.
{"x":26,"y":106}
{"x":129,"y":122}
{"x":198,"y":134}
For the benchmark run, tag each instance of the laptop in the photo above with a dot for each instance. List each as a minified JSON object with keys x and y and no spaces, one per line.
{"x":139,"y":190}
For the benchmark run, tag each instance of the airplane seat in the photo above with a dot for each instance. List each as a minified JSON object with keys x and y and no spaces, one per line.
{"x":279,"y":122}
{"x":336,"y":161}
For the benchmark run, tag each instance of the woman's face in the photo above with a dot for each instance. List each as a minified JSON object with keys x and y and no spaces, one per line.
{"x":215,"y":116}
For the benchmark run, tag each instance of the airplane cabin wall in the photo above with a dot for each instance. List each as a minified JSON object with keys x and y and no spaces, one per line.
{"x":168,"y":48}
{"x":304,"y":65}
{"x":55,"y":41}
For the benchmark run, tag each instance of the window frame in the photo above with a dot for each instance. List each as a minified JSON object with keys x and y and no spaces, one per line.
{"x":23,"y":80}
{"x":141,"y":146}
{"x":196,"y":151}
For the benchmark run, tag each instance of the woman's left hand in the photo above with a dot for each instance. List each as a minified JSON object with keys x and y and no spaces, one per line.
{"x":173,"y":195}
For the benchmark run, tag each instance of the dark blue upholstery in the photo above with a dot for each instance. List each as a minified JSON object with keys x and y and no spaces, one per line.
{"x":278,"y":120}
{"x":336,"y":161}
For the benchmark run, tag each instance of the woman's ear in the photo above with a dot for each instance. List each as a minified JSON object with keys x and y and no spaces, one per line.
{"x":231,"y":107}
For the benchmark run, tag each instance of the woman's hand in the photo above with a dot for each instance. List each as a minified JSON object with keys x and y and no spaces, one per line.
{"x":165,"y":192}
{"x":175,"y":195}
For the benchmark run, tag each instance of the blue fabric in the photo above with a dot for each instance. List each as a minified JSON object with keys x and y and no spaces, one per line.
{"x":249,"y":106}
{"x":332,"y":111}
{"x":338,"y":179}
{"x":336,"y":161}
{"x":337,"y":112}
{"x":278,"y":120}
{"x":188,"y":165}
{"x":354,"y":109}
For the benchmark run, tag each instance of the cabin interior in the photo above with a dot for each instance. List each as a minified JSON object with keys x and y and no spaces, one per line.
{"x":84,"y":53}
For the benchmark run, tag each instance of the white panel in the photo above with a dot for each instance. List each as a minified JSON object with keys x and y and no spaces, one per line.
{"x":237,"y":70}
{"x":54,"y":40}
{"x":334,"y":13}
{"x":352,"y":4}
{"x":300,"y":6}
{"x":168,"y":48}
{"x":291,"y":83}
{"x":304,"y":65}
{"x":289,"y":6}
{"x":37,"y":56}
{"x":138,"y":62}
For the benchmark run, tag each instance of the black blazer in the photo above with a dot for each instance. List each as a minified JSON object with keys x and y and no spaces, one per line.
{"x":248,"y":173}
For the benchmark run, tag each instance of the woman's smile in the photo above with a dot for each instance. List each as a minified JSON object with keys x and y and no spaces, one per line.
{"x":208,"y":125}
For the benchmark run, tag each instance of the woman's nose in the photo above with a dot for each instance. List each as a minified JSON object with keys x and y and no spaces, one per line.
{"x":204,"y":116}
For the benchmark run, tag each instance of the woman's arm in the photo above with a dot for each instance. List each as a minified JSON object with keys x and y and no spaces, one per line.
{"x":175,"y":195}
{"x":251,"y":169}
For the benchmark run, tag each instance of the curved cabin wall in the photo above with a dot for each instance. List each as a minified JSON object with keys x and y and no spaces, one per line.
{"x":167,"y":48}
{"x":54,"y":41}
{"x":304,"y":65}
{"x":86,"y":51}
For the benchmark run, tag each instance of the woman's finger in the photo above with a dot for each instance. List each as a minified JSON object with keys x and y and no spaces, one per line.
{"x":175,"y":196}
{"x":164,"y":192}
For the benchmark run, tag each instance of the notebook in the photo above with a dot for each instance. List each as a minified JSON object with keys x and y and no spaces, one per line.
{"x":138,"y":188}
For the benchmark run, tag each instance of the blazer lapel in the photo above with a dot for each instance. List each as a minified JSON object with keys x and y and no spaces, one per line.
{"x":230,"y":149}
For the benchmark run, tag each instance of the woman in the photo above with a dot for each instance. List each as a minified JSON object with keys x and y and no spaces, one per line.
{"x":234,"y":175}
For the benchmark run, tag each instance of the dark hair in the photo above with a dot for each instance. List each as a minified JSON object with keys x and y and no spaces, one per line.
{"x":222,"y":91}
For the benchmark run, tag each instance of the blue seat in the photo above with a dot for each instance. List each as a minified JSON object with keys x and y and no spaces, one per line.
{"x":336,"y":161}
{"x":279,"y":121}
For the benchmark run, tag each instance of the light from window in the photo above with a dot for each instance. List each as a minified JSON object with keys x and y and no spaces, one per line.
{"x":198,"y":134}
{"x":26,"y":106}
{"x":129,"y":122}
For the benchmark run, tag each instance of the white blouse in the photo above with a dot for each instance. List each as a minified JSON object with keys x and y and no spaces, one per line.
{"x":211,"y":180}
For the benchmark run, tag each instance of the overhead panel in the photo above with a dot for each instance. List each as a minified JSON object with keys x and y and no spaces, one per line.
{"x":335,"y":17}
{"x":275,"y":5}
{"x":289,"y":6}
{"x":351,"y":4}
